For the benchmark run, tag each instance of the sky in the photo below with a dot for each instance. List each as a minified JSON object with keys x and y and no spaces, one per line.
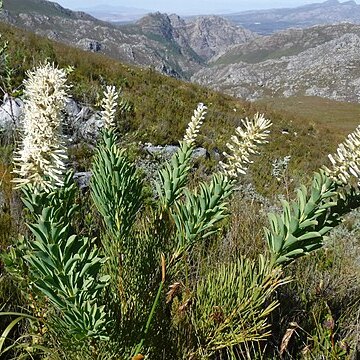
{"x":188,"y":6}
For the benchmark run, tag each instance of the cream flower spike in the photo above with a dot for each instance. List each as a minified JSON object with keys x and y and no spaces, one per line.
{"x":346,"y":161}
{"x":109,"y":104}
{"x":42,"y":155}
{"x":194,"y":125}
{"x":244,"y":144}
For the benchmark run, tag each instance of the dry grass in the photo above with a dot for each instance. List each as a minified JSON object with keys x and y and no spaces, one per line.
{"x":342,"y":116}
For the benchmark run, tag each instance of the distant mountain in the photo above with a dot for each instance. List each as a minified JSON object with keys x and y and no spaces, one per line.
{"x":319,"y":61}
{"x":42,"y":8}
{"x":212,"y":51}
{"x":269,"y":21}
{"x":212,"y":35}
{"x":116,"y":14}
{"x":207,"y":36}
{"x":165,"y":42}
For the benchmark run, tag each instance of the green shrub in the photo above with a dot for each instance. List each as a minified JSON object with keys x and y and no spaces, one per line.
{"x":141,"y":289}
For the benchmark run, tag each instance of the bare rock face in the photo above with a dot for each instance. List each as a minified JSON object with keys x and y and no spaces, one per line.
{"x":157,"y":24}
{"x":85,"y":125}
{"x":90,"y":45}
{"x":212,"y":35}
{"x":320,"y":61}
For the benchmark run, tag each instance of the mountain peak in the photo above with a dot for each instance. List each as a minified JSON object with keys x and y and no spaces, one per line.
{"x":331,"y":2}
{"x":350,"y":2}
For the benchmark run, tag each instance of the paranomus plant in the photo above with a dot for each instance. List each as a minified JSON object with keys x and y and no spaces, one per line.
{"x":63,"y":267}
{"x":145,"y":250}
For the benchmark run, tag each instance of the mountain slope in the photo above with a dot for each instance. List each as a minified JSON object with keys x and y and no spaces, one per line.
{"x":162,"y":106}
{"x":129,"y":44}
{"x":321,"y":61}
{"x":284,"y":43}
{"x":166,"y":43}
{"x":44,"y":8}
{"x":268,"y":21}
{"x":212,"y":35}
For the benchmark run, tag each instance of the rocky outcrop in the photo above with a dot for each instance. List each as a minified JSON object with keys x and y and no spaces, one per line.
{"x":212,"y":35}
{"x":10,"y":113}
{"x":81,"y":123}
{"x":90,"y":45}
{"x":168,"y":150}
{"x":330,"y":69}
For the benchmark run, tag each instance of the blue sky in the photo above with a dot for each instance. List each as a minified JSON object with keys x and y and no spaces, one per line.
{"x":188,"y":6}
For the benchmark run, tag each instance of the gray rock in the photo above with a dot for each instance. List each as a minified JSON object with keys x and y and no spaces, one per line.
{"x":85,"y":126}
{"x":72,"y":108}
{"x":91,"y":128}
{"x":200,"y":153}
{"x":10,"y":113}
{"x":80,"y":123}
{"x":83,"y":179}
{"x":90,"y":45}
{"x":168,"y":150}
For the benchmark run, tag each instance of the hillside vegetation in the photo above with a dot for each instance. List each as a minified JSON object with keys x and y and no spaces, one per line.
{"x":127,"y":270}
{"x":160,"y":104}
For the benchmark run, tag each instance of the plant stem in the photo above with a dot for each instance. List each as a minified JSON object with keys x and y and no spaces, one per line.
{"x":149,"y":320}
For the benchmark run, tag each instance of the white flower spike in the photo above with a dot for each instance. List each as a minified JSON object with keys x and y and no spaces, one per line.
{"x":345,"y":162}
{"x":42,"y":155}
{"x":194,"y":125}
{"x":253,"y":133}
{"x":109,"y":104}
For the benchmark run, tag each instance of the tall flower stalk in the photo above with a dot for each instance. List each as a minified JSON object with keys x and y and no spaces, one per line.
{"x":244,"y":144}
{"x":41,"y":159}
{"x":194,"y":125}
{"x":109,"y":105}
{"x":64,"y":267}
{"x":346,"y":160}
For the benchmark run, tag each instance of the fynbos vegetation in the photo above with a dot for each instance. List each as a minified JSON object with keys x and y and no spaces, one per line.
{"x":128,"y":273}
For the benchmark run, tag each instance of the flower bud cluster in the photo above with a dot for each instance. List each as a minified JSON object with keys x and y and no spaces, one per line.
{"x":345,"y":162}
{"x":42,"y":155}
{"x":244,"y":144}
{"x":109,"y":104}
{"x":194,"y":125}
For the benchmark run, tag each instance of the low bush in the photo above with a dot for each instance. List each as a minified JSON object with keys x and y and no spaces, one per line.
{"x":184,"y":276}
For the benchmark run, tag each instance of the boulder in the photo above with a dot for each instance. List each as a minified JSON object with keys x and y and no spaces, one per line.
{"x":10,"y":113}
{"x":83,"y":124}
{"x":200,"y":153}
{"x":168,"y":150}
{"x":72,"y":108}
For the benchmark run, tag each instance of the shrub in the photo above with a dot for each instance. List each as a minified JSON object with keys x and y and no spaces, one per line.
{"x":140,"y":290}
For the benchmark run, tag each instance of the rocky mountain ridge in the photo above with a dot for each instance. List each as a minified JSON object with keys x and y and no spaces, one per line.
{"x":211,"y":51}
{"x":272,"y":20}
{"x":329,"y":67}
{"x":165,"y":42}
